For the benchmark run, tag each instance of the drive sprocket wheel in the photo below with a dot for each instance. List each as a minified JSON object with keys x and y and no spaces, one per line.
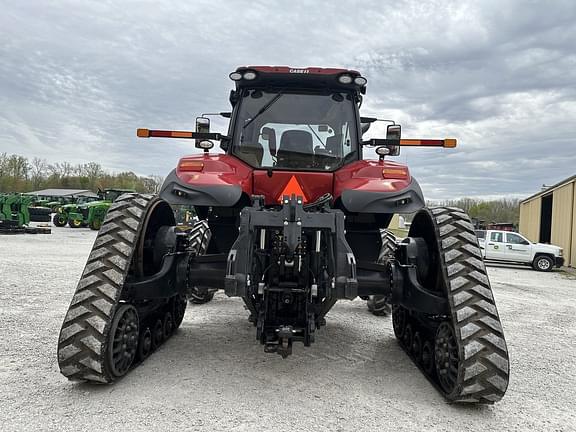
{"x":378,"y":304}
{"x":464,"y":352}
{"x":446,"y":355}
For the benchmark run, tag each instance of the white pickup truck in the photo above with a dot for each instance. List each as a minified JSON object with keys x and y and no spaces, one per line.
{"x":506,"y":246}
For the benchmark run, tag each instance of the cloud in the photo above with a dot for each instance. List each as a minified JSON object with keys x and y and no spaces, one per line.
{"x":77,"y":79}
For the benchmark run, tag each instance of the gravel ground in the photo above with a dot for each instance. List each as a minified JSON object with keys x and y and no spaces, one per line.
{"x":213,"y":375}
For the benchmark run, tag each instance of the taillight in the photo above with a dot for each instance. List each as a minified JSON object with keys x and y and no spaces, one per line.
{"x":190,"y":165}
{"x":395,"y":173}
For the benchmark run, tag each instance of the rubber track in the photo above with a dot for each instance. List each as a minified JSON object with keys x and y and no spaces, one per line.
{"x":483,"y":371}
{"x":377,"y":304}
{"x":83,"y":338}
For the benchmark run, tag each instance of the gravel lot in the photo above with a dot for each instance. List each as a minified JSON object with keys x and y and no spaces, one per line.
{"x":213,"y":374}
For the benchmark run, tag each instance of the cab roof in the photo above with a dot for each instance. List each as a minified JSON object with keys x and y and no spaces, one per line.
{"x":295,"y":78}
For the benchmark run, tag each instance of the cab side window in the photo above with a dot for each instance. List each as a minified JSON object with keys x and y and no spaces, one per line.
{"x":515,"y":239}
{"x":496,"y":237}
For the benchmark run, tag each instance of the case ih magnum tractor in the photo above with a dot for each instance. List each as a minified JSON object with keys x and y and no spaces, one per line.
{"x":290,"y":221}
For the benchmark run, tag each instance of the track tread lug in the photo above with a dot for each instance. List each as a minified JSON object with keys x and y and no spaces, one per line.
{"x":465,"y":313}
{"x":67,"y":352}
{"x":81,"y":296}
{"x":70,"y":331}
{"x":98,"y":323}
{"x":75,"y":312}
{"x":129,"y":236}
{"x":452,"y":254}
{"x":473,"y":371}
{"x":498,"y":382}
{"x":495,"y":340}
{"x":109,"y":291}
{"x":114,"y":275}
{"x":473,"y":250}
{"x":482,"y":292}
{"x":92,"y":344}
{"x":89,"y":362}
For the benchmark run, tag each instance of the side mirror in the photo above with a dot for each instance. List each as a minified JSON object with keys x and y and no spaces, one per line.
{"x":269,"y":135}
{"x":393,"y":133}
{"x":202,"y":126}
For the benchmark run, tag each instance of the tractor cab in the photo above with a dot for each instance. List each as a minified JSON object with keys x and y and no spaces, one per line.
{"x":110,"y":194}
{"x":289,"y":119}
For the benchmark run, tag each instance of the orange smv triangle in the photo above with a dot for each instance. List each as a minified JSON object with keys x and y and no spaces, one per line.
{"x":293,"y":187}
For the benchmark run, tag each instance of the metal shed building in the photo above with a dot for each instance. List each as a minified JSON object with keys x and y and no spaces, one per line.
{"x":550,"y":217}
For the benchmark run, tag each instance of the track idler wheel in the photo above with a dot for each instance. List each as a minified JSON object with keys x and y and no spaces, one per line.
{"x":447,"y":358}
{"x":123,"y":340}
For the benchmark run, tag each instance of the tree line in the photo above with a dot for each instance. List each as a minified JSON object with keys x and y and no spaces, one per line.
{"x":19,"y":174}
{"x":503,"y":210}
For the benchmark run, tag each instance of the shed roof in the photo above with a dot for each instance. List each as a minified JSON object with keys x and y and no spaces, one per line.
{"x":64,"y":192}
{"x":550,"y":189}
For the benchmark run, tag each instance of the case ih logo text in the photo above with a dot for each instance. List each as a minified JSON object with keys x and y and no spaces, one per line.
{"x":299,"y":71}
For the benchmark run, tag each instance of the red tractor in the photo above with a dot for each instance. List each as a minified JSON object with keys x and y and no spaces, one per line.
{"x":292,"y":218}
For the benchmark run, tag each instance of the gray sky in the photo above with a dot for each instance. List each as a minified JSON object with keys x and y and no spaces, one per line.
{"x":77,"y":79}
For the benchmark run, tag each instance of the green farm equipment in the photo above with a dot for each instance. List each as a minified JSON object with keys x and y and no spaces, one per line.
{"x":63,"y":212}
{"x":92,"y":214}
{"x":15,"y":215}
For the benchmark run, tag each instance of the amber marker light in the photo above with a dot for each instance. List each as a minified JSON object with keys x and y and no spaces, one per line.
{"x":447,"y":143}
{"x":394,"y":173}
{"x":147,"y":133}
{"x":190,"y":166}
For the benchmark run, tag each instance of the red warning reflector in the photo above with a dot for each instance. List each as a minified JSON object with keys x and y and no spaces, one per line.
{"x":293,"y":187}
